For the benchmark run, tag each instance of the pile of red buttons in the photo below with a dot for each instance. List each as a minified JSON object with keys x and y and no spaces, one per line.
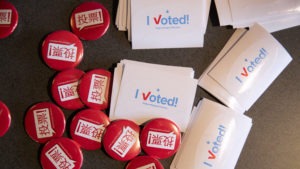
{"x":8,"y":22}
{"x":72,"y":89}
{"x":88,"y":94}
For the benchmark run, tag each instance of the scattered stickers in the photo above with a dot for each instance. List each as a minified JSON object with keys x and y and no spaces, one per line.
{"x":273,"y":15}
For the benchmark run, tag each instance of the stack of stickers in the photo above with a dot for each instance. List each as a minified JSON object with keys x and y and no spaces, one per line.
{"x":163,"y":24}
{"x":86,"y":92}
{"x":215,"y":138}
{"x":243,"y":70}
{"x":142,"y":91}
{"x":273,"y":15}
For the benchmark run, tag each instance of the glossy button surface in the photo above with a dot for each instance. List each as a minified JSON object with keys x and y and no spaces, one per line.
{"x":61,"y":153}
{"x":62,"y":50}
{"x":121,"y":140}
{"x":64,"y":89}
{"x":94,"y":88}
{"x":160,"y":138}
{"x":90,"y":20}
{"x":44,"y":121}
{"x":144,"y":162}
{"x":5,"y":119}
{"x":87,"y":128}
{"x":8,"y":18}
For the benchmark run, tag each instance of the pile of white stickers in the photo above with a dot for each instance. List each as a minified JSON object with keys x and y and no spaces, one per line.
{"x":245,"y":68}
{"x":214,"y":134}
{"x":163,"y":24}
{"x":274,"y":15}
{"x":250,"y":61}
{"x":143,"y":91}
{"x":214,"y":138}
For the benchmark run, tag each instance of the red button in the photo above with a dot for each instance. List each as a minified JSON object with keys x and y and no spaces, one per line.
{"x":144,"y":162}
{"x":62,"y":50}
{"x":90,"y":20}
{"x":87,"y":128}
{"x":94,"y":88}
{"x":160,"y":138}
{"x":44,"y":121}
{"x":64,"y":89}
{"x":8,"y":19}
{"x":61,"y":153}
{"x":121,"y":140}
{"x":5,"y":119}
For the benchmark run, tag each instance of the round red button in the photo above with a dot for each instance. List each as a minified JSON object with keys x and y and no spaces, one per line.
{"x":44,"y":121}
{"x":121,"y":140}
{"x":144,"y":162}
{"x":8,"y":19}
{"x":62,"y":50}
{"x":61,"y":153}
{"x":94,"y":88}
{"x":90,"y":20}
{"x":160,"y":138}
{"x":5,"y":119}
{"x":64,"y":89}
{"x":87,"y":128}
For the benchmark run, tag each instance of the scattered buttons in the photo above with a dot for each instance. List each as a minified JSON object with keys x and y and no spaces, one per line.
{"x":94,"y":88}
{"x":64,"y":89}
{"x":90,"y":20}
{"x":61,"y":153}
{"x":87,"y":128}
{"x":160,"y":138}
{"x":62,"y":50}
{"x":144,"y":162}
{"x":44,"y":121}
{"x":121,"y":140}
{"x":5,"y":119}
{"x":9,"y":19}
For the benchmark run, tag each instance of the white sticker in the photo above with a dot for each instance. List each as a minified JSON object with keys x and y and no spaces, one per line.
{"x":43,"y":123}
{"x":214,"y":139}
{"x":250,"y":66}
{"x":88,"y":18}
